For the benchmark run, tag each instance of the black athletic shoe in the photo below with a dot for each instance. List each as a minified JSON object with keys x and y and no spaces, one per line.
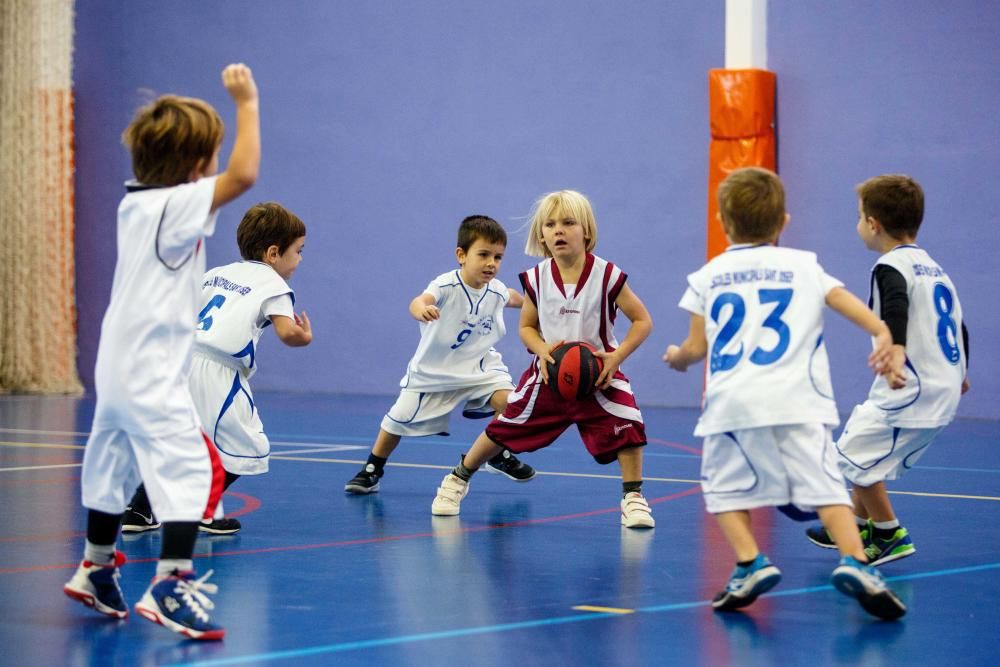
{"x":510,"y":466}
{"x":365,"y":481}
{"x":139,"y":522}
{"x":818,"y":536}
{"x":220,"y":527}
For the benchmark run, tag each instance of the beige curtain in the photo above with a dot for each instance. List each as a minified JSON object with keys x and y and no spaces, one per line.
{"x":37,"y":303}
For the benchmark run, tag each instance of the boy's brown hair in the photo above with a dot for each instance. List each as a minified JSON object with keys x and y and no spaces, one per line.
{"x":267,"y":224}
{"x":171,"y":137}
{"x":752,"y":204}
{"x":896,"y":201}
{"x":480,"y":227}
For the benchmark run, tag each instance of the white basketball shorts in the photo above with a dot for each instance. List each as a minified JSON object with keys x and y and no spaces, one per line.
{"x":418,"y":413}
{"x":771,"y":466}
{"x":225,"y":404}
{"x":872,"y":450}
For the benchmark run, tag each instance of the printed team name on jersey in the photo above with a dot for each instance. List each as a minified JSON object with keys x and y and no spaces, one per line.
{"x":925,"y":270}
{"x":229,"y":286}
{"x":483,"y":327}
{"x":751,"y":276}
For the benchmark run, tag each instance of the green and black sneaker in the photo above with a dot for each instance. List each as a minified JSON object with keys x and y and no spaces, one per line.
{"x":882,"y":550}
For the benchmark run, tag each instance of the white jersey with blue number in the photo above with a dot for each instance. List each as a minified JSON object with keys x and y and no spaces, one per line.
{"x":237,"y":302}
{"x":456,"y":350}
{"x":935,"y":354}
{"x":144,"y":356}
{"x":767,"y":363}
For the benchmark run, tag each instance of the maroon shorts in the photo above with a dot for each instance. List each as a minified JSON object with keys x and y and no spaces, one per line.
{"x":608,"y":420}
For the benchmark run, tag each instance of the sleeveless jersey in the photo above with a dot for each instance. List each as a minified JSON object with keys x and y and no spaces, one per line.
{"x":144,"y":354}
{"x":237,"y":301}
{"x":935,"y":355}
{"x":582,"y":312}
{"x":456,"y":350}
{"x":763,"y":310}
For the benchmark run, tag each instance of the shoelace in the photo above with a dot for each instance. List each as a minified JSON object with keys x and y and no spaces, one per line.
{"x":191,"y":593}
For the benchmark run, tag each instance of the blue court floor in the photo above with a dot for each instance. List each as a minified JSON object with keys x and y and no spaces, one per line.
{"x":539,"y":573}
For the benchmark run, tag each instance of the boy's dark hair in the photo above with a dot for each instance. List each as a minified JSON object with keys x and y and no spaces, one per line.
{"x":752,"y":204}
{"x":267,"y":224}
{"x":896,"y":201}
{"x":170,"y":137}
{"x":480,"y":227}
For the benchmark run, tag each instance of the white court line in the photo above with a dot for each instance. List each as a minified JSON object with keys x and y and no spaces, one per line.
{"x":334,"y":447}
{"x":45,"y":467}
{"x":38,"y":432}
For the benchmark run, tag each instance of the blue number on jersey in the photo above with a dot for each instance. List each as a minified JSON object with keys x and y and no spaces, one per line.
{"x":947,"y":328}
{"x":204,"y":319}
{"x":718,"y":360}
{"x":761,"y":357}
{"x":462,"y":335}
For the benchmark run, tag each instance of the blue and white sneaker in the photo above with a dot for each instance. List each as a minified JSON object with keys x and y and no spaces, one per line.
{"x":179,"y":602}
{"x":97,"y":586}
{"x":865,"y":583}
{"x":747,"y":583}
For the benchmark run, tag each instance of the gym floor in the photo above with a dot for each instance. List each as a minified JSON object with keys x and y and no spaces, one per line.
{"x":529,"y":574}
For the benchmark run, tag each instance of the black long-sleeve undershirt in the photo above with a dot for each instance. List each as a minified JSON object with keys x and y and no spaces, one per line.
{"x":895,"y":306}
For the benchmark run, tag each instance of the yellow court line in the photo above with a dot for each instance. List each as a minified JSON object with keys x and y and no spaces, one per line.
{"x":603,"y":610}
{"x":39,"y":445}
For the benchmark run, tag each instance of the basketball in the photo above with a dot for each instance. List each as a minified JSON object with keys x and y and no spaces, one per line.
{"x":575,"y":371}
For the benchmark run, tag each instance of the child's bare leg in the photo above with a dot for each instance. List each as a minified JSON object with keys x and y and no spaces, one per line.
{"x":839,"y":523}
{"x":630,"y":460}
{"x":498,"y":401}
{"x":735,"y":526}
{"x":483,"y":449}
{"x":874,"y":502}
{"x":385,"y":443}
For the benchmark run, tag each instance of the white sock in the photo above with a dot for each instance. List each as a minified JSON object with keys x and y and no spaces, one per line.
{"x":99,"y":554}
{"x":861,"y":522}
{"x":887,"y":525}
{"x":167,"y":566}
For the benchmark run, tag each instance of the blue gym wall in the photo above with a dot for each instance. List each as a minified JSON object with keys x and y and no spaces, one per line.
{"x":384,"y":123}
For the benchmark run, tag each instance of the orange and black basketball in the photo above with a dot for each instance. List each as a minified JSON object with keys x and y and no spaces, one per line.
{"x":575,"y":371}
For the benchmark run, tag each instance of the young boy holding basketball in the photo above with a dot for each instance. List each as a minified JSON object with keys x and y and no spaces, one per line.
{"x":239,"y":301}
{"x":461,"y":319}
{"x":886,"y":434}
{"x":145,"y":424}
{"x":573,"y":295}
{"x":757,"y":312}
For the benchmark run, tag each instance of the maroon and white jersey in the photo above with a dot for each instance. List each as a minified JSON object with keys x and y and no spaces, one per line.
{"x":582,"y":312}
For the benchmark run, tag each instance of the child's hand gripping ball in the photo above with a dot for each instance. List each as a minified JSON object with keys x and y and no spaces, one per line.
{"x":575,"y":371}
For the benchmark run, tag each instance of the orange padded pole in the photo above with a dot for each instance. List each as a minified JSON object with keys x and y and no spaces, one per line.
{"x":741,"y":118}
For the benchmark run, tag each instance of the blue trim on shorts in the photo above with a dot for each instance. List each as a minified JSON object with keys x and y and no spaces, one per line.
{"x":915,"y":452}
{"x":420,"y":400}
{"x":756,"y":477}
{"x":228,"y":403}
{"x":895,"y":435}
